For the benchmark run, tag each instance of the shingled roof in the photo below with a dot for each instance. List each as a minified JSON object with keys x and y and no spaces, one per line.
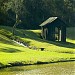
{"x":50,"y":20}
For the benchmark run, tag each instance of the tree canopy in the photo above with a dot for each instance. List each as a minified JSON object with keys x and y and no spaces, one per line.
{"x":33,"y":12}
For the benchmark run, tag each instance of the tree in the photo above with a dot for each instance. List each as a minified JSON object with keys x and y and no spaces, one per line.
{"x":16,"y":23}
{"x":17,"y":5}
{"x":34,"y":12}
{"x":69,"y":8}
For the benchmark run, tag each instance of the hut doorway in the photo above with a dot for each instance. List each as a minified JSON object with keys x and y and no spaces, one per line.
{"x":45,"y":33}
{"x":57,"y":33}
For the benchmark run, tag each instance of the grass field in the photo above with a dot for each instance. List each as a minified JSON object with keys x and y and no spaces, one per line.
{"x":13,"y":54}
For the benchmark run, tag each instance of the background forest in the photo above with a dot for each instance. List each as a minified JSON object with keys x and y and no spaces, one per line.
{"x":33,"y":12}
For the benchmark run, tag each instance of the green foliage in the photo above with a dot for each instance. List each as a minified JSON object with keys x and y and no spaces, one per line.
{"x":33,"y":12}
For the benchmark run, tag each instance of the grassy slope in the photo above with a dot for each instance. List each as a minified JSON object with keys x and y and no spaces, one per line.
{"x":10,"y":52}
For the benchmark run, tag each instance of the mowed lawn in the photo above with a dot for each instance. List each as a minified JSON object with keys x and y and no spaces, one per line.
{"x":11,"y":52}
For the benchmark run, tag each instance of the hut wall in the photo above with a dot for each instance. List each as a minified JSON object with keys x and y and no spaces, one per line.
{"x":51,"y":33}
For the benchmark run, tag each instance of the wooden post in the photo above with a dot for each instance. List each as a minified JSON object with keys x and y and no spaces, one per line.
{"x":45,"y":33}
{"x":63,"y":36}
{"x":49,"y":33}
{"x":42,"y":34}
{"x":53,"y":33}
{"x":59,"y":34}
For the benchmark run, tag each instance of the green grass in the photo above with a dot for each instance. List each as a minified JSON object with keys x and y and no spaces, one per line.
{"x":13,"y":54}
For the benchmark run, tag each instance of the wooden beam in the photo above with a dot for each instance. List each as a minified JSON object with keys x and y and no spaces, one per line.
{"x":59,"y":34}
{"x":42,"y":32}
{"x":63,"y":36}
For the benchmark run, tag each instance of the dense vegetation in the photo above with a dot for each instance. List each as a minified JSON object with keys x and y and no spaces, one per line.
{"x":34,"y":12}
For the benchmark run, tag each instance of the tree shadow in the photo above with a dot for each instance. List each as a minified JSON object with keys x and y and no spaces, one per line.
{"x":1,"y":65}
{"x":10,"y":50}
{"x":37,"y":37}
{"x":63,"y":44}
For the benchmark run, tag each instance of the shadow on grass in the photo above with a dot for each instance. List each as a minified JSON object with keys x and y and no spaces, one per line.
{"x":68,"y":52}
{"x":64,"y":44}
{"x":10,"y":50}
{"x":31,"y":35}
{"x":1,"y":65}
{"x":40,"y":62}
{"x":34,"y":36}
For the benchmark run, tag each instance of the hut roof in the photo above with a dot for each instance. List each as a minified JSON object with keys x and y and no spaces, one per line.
{"x":50,"y":20}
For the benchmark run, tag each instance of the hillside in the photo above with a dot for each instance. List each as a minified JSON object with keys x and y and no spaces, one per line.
{"x":12,"y":54}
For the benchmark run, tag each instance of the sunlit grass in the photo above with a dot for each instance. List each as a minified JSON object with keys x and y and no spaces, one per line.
{"x":11,"y":52}
{"x":30,"y":56}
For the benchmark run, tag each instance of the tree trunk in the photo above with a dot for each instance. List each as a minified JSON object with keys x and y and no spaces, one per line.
{"x":16,"y":23}
{"x":13,"y":29}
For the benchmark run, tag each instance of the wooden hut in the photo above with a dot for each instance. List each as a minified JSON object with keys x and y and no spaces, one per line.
{"x":54,"y":29}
